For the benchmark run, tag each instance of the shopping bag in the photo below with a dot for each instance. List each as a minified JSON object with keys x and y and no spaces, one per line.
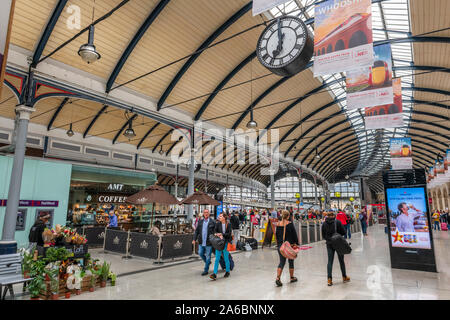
{"x":231,"y":247}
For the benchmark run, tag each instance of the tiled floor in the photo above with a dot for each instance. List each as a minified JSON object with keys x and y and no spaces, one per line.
{"x":254,"y":275}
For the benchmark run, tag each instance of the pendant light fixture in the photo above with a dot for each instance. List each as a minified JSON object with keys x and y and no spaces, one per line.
{"x":161,"y":150}
{"x":70,"y":132}
{"x":338,"y":168}
{"x":87,"y":51}
{"x":129,"y":132}
{"x":317,"y":155}
{"x":252,"y":123}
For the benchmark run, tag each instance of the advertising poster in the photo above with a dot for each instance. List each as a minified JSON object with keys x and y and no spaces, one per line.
{"x":388,"y":115}
{"x":6,"y":13}
{"x":400,"y":152}
{"x":342,"y":36}
{"x":447,"y":161}
{"x":372,"y":86}
{"x":408,"y":216}
{"x":440,"y":167}
{"x":260,"y":6}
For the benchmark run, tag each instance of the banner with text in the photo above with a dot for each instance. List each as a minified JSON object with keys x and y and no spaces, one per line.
{"x":260,"y":6}
{"x":400,"y":151}
{"x":388,"y":115}
{"x":6,"y":14}
{"x":342,"y":36}
{"x":372,"y":86}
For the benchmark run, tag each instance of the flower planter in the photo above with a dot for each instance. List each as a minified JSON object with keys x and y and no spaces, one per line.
{"x":103,"y":284}
{"x":34,"y":298}
{"x":91,"y":289}
{"x":67,"y":295}
{"x":78,"y":292}
{"x":55,"y":296}
{"x":113,"y":283}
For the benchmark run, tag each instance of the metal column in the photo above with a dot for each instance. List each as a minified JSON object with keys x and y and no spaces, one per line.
{"x":9,"y":226}
{"x":272,"y":191}
{"x":191,"y":184}
{"x":315,"y":190}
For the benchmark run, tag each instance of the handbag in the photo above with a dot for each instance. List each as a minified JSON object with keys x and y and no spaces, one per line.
{"x":287,"y":250}
{"x":339,"y":243}
{"x":216,"y":242}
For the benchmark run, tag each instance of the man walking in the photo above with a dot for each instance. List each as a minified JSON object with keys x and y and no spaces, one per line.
{"x":204,"y":229}
{"x":235,"y":226}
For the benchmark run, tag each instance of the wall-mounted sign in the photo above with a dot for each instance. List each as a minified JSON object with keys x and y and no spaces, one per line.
{"x":352,"y":199}
{"x":297,"y":195}
{"x":106,"y":198}
{"x":33,"y":203}
{"x":400,"y":151}
{"x":337,"y":194}
{"x":115,"y":187}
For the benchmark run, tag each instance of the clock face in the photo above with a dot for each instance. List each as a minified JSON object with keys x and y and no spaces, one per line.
{"x":282,"y":42}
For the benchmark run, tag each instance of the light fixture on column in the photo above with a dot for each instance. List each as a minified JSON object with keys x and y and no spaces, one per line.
{"x":70,"y":132}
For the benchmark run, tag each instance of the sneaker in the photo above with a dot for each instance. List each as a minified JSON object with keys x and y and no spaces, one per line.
{"x":204,"y":273}
{"x":294,"y":279}
{"x":278,"y":283}
{"x":330,"y":282}
{"x":346,"y":279}
{"x":226,"y":275}
{"x":213,"y":276}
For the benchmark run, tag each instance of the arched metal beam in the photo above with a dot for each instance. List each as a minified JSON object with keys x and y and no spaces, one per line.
{"x":173,"y":145}
{"x":257,"y":100}
{"x":351,"y":164}
{"x":57,"y":111}
{"x":91,"y":124}
{"x":147,"y":134}
{"x":123,"y":128}
{"x":336,"y":149}
{"x":433,"y":133}
{"x":341,"y":157}
{"x":204,"y":45}
{"x":222,"y":84}
{"x":332,"y":144}
{"x":430,"y":124}
{"x":47,"y":32}
{"x":137,"y":37}
{"x":162,"y":139}
{"x":349,"y":155}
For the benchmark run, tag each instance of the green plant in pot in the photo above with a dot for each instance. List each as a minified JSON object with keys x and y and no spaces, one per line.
{"x":94,"y":275}
{"x":27,"y":261}
{"x":113,"y":278}
{"x":37,"y":284}
{"x":53,"y":274}
{"x":104,"y":272}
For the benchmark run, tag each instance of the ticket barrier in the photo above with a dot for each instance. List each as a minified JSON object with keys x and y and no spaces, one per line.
{"x":318,"y":230}
{"x":304,"y":232}
{"x":312,"y":232}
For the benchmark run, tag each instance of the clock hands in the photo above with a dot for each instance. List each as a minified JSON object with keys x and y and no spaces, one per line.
{"x":280,"y":40}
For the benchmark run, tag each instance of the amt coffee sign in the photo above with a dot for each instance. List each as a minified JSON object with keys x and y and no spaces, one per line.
{"x":107,"y":198}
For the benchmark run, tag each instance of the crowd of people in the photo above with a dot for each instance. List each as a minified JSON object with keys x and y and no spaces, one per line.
{"x":440,"y":219}
{"x":228,"y":227}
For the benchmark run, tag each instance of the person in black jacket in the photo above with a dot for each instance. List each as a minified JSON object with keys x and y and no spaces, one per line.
{"x":329,"y":227}
{"x":222,"y":230}
{"x":291,"y":237}
{"x":35,"y":235}
{"x":204,"y":229}
{"x":235,"y":226}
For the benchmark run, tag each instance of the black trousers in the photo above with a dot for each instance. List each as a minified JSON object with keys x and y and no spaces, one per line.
{"x":331,"y":252}
{"x":283,"y":261}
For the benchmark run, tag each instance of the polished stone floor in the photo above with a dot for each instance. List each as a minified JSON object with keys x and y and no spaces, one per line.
{"x":254,"y":275}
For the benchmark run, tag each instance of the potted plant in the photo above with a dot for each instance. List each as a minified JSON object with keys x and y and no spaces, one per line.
{"x":113,"y":277}
{"x":27,"y":261}
{"x":104,"y":272}
{"x":53,"y":274}
{"x":37,"y":284}
{"x":94,"y":274}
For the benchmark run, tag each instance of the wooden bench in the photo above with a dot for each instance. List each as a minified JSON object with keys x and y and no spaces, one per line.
{"x":10,"y":273}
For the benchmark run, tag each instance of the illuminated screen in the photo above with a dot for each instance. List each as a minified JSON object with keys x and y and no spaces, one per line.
{"x":408,"y":217}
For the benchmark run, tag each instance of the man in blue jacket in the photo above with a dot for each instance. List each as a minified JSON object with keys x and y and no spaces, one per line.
{"x":204,"y":229}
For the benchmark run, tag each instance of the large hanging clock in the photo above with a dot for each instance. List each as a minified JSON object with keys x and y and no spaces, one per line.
{"x":286,"y":46}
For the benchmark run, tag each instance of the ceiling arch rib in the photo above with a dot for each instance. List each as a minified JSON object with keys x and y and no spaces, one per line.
{"x":162,"y":139}
{"x":91,"y":124}
{"x":199,"y":51}
{"x":137,"y":37}
{"x":57,"y":112}
{"x":147,"y":134}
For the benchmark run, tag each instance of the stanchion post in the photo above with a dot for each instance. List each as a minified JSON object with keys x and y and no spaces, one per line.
{"x":104,"y":239}
{"x":159,"y":251}
{"x":127,"y":247}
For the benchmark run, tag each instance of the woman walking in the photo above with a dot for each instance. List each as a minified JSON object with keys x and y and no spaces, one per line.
{"x":285,"y":232}
{"x":363,"y":219}
{"x":329,"y":227}
{"x":223,"y":231}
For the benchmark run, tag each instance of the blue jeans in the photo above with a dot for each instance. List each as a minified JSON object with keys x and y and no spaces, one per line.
{"x":347,"y":231}
{"x":225,"y":257}
{"x":437,"y":225}
{"x":205,"y":253}
{"x":364,"y":227}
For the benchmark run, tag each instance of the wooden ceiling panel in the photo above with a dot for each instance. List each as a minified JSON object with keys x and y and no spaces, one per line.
{"x":8,"y":102}
{"x":430,"y":15}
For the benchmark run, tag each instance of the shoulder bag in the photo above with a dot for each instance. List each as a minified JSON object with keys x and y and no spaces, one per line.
{"x":339,"y":243}
{"x":287,"y":250}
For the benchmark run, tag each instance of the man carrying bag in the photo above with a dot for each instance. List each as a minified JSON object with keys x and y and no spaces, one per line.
{"x":333,"y":232}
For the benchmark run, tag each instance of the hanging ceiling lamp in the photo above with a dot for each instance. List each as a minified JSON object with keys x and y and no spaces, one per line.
{"x":338,"y":168}
{"x":129,"y":133}
{"x":252,"y":123}
{"x":70,"y":132}
{"x":317,"y":155}
{"x":161,"y":150}
{"x":87,"y":51}
{"x":347,"y":177}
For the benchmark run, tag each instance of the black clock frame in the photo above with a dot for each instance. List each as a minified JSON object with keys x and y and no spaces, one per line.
{"x":299,"y":62}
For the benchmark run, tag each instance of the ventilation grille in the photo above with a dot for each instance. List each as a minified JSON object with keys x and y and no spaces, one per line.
{"x":146,"y":161}
{"x":34,"y":141}
{"x":158,"y":163}
{"x":122,"y":156}
{"x":4,"y":136}
{"x":67,"y":147}
{"x":97,"y":152}
{"x":170,"y":165}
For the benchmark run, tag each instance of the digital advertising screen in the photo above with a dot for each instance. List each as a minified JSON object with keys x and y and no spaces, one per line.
{"x":408,"y":218}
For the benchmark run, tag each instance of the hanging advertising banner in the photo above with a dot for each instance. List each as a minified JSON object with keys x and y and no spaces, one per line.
{"x":6,"y":17}
{"x":260,"y":6}
{"x":440,"y":167}
{"x":372,"y":86}
{"x":400,"y":151}
{"x":388,"y":115}
{"x":342,"y":36}
{"x":447,"y":160}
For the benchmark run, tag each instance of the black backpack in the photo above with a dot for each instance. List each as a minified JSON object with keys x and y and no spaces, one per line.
{"x":35,"y":232}
{"x":339,"y":243}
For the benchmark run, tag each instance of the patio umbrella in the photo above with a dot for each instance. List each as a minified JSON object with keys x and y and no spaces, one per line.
{"x":200,"y":198}
{"x":153,"y":194}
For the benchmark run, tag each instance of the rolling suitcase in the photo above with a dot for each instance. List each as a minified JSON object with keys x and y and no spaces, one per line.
{"x":252,"y":242}
{"x":222,"y":262}
{"x":444,"y":226}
